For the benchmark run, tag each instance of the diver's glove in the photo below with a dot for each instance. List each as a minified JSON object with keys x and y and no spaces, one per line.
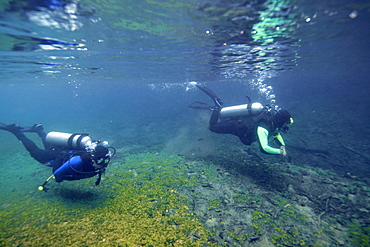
{"x":283,"y":151}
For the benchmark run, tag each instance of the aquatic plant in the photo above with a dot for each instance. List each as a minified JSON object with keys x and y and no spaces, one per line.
{"x":138,"y":204}
{"x":247,"y":199}
{"x":214,"y":203}
{"x":359,"y":234}
{"x":283,"y":226}
{"x":141,"y":202}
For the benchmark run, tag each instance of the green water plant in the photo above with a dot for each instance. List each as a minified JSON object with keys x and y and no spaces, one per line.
{"x":359,"y":234}
{"x":247,"y":199}
{"x":214,"y":203}
{"x":284,"y":225}
{"x":137,"y":204}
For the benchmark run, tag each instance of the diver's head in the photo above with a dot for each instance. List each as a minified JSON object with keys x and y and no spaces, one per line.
{"x":282,"y":118}
{"x":101,"y":155}
{"x":100,"y":152}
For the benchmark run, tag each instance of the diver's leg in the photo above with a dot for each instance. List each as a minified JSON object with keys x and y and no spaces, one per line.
{"x":223,"y":127}
{"x":39,"y":129}
{"x":245,"y":130}
{"x":38,"y":154}
{"x":214,"y":117}
{"x":245,"y":136}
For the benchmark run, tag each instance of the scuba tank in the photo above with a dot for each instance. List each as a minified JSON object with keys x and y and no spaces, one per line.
{"x":245,"y":110}
{"x":72,"y":141}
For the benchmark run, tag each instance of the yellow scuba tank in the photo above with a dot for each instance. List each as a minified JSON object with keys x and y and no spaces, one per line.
{"x":72,"y":141}
{"x":241,"y":110}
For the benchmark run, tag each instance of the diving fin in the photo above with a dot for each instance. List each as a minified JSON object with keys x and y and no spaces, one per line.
{"x":15,"y":127}
{"x":200,"y":105}
{"x":11,"y":127}
{"x":3,"y":126}
{"x":211,"y":94}
{"x":34,"y":128}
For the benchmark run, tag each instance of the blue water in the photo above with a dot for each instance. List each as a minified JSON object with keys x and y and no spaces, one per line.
{"x":101,"y":67}
{"x":124,"y":71}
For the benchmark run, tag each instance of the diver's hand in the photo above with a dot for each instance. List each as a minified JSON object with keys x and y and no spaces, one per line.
{"x":283,"y":151}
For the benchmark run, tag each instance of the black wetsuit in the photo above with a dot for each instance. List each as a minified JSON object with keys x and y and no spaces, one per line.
{"x":243,"y":127}
{"x":41,"y":155}
{"x":250,"y":128}
{"x":60,"y":158}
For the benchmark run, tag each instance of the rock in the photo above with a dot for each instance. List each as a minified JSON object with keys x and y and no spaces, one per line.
{"x":352,"y":198}
{"x":238,"y":229}
{"x":211,"y":223}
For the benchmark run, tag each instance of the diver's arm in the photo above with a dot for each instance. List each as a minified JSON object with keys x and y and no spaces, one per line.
{"x":279,"y":139}
{"x":263,"y":140}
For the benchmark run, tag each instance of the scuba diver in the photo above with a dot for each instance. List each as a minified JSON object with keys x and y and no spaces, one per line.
{"x":250,"y":122}
{"x":72,"y":156}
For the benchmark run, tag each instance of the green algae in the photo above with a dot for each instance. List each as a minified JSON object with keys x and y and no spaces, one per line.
{"x":138,"y":204}
{"x":247,"y":199}
{"x":214,"y":203}
{"x":284,"y":226}
{"x":359,"y":234}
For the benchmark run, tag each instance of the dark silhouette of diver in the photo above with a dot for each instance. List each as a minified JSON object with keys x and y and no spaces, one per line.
{"x":250,"y":122}
{"x":72,"y":156}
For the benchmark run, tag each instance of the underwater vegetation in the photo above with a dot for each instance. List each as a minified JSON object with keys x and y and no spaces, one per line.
{"x":359,"y":234}
{"x":137,"y":205}
{"x":159,"y":199}
{"x":282,"y":225}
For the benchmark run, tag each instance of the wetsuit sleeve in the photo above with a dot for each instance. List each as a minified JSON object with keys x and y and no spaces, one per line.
{"x":263,"y":140}
{"x":280,"y":139}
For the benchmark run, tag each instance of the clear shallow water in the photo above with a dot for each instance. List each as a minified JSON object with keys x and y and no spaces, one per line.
{"x":101,"y":58}
{"x":103,"y":64}
{"x":122,"y":71}
{"x":176,"y":42}
{"x":107,"y":63}
{"x":171,"y":42}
